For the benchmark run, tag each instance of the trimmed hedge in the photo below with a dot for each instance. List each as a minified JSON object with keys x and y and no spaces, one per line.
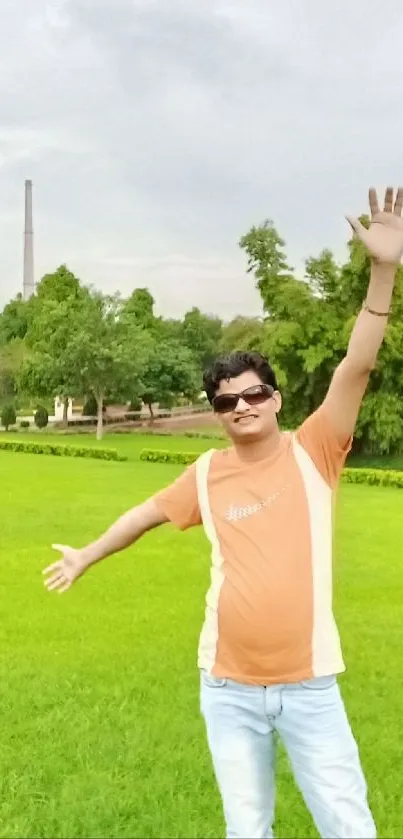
{"x":371,"y":477}
{"x":165,"y":432}
{"x":160,"y":456}
{"x":60,"y":450}
{"x":374,"y":477}
{"x":203,"y":435}
{"x":107,"y":420}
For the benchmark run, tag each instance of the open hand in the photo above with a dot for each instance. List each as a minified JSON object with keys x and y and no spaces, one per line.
{"x":384,"y":237}
{"x":61,"y":574}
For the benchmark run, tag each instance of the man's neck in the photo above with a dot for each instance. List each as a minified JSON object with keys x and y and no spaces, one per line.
{"x":255,"y":450}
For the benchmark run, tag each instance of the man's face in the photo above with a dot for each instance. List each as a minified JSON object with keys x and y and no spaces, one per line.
{"x":248,"y":422}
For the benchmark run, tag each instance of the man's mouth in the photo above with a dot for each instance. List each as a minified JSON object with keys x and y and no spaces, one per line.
{"x":246,"y":419}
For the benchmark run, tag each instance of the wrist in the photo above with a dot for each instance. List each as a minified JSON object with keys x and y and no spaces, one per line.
{"x":367,"y":308}
{"x":87,"y":556}
{"x":383,"y":271}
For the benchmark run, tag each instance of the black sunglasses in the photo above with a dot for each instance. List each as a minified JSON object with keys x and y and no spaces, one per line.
{"x":254,"y":395}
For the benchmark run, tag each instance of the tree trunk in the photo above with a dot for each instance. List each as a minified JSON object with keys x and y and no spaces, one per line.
{"x":150,"y":408}
{"x":100,"y":424}
{"x":65,"y":421}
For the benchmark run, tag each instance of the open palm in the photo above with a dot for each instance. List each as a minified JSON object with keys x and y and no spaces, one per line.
{"x":384,"y":237}
{"x":61,"y":574}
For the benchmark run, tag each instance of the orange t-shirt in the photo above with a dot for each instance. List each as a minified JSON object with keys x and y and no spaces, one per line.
{"x":269,"y":615}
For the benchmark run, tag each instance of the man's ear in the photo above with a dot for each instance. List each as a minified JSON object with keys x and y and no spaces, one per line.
{"x":278,"y":401}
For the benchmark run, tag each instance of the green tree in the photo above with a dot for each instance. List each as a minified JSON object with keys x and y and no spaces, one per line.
{"x":170,"y":372}
{"x":57,"y":313}
{"x":243,"y":333}
{"x":12,"y":356}
{"x":8,"y":416}
{"x":307,"y":327}
{"x":289,"y":307}
{"x":14,"y":320}
{"x":108,"y":352}
{"x":58,"y":286}
{"x":140,"y":306}
{"x":201,"y":334}
{"x":169,"y":329}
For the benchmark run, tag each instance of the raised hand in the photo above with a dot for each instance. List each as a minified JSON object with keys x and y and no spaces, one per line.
{"x":61,"y":574}
{"x":384,"y":237}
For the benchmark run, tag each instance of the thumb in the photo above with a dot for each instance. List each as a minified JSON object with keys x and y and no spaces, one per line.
{"x":61,"y":548}
{"x":357,"y":227}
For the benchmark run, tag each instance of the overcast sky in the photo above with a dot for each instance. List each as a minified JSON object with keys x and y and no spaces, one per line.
{"x":156,"y":133}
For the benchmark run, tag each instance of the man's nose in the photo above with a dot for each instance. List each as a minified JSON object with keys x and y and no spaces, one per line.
{"x":241,"y":406}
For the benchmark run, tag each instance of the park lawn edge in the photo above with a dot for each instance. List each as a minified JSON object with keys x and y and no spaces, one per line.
{"x":61,"y":450}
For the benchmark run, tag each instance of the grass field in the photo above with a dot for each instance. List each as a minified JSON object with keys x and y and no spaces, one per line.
{"x":101,"y":734}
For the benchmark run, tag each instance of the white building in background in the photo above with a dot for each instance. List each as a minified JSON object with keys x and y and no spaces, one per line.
{"x":59,"y":403}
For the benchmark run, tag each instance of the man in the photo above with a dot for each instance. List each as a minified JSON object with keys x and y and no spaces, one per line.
{"x":269,"y":650}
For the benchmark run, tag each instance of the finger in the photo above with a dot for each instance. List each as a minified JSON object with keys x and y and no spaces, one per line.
{"x":357,"y":227}
{"x":54,"y":567}
{"x":64,"y":588}
{"x":389,"y":199}
{"x":60,"y":548}
{"x":399,"y":202}
{"x":373,"y":202}
{"x":53,"y":578}
{"x":56,"y":584}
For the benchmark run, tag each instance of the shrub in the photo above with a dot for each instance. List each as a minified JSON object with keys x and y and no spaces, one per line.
{"x":80,"y":423}
{"x":24,"y":424}
{"x":136,"y":404}
{"x":8,"y":416}
{"x":132,"y":416}
{"x":204,"y":435}
{"x":41,"y":417}
{"x":161,"y":456}
{"x":60,"y":450}
{"x":90,"y":408}
{"x":374,"y":477}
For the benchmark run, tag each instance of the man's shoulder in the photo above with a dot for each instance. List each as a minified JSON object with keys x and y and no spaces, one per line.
{"x":223,"y":460}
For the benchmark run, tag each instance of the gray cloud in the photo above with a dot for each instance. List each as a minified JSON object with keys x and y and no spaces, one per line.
{"x":157,"y":133}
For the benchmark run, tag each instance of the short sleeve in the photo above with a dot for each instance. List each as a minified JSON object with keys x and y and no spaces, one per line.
{"x":179,"y":501}
{"x":319,"y":440}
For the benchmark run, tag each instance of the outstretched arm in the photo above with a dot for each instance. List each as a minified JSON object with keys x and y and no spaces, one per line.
{"x":124,"y":532}
{"x":384,"y":241}
{"x":178,"y":503}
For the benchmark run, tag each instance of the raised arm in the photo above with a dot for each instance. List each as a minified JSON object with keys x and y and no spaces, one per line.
{"x":384,"y":241}
{"x":124,"y":532}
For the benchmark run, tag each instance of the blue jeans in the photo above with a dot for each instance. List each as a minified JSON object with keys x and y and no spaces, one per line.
{"x":311,"y":720}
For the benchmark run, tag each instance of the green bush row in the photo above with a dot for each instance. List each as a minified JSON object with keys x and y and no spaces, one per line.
{"x":160,"y":456}
{"x":204,"y":435}
{"x":60,"y":450}
{"x":165,"y":432}
{"x":374,"y":477}
{"x":371,"y":477}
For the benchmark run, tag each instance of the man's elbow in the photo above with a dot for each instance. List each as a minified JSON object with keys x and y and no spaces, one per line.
{"x":151,"y":514}
{"x":359,"y":366}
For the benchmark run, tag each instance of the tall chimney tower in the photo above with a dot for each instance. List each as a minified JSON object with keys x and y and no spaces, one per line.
{"x":29,"y":284}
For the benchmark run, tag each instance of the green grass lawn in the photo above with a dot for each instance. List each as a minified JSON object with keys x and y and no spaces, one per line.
{"x":101,"y":733}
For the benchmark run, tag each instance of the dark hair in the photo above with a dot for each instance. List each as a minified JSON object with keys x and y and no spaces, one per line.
{"x":230,"y":366}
